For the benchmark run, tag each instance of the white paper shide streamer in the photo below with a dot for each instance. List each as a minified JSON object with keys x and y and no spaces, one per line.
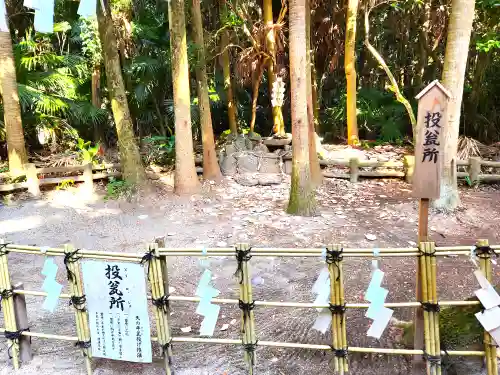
{"x":322,"y":290}
{"x":490,"y":317}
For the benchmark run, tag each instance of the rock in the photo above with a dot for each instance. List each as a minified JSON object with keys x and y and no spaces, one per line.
{"x":246,"y":179}
{"x":224,"y":327}
{"x":269,"y":179}
{"x":370,"y":237}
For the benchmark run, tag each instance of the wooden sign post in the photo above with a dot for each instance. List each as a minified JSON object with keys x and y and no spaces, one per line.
{"x":432,"y":117}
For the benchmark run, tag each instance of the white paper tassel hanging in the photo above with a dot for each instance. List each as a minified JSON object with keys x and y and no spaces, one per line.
{"x":4,"y":23}
{"x":44,"y":17}
{"x":87,"y":8}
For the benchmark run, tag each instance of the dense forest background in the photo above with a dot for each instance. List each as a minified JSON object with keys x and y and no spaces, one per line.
{"x":62,"y":89}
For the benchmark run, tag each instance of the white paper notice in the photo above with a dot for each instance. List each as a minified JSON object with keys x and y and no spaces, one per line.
{"x":496,"y":335}
{"x":323,"y":321}
{"x":380,"y":323}
{"x":489,"y":319}
{"x":118,"y":310}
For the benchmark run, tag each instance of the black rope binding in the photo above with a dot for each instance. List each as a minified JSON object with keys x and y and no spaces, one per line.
{"x":340,"y":353}
{"x":422,"y":253}
{"x":162,"y":303}
{"x":242,"y":256}
{"x":83,"y":345}
{"x":3,"y":249}
{"x":335,"y":257}
{"x":6,"y":293}
{"x":147,"y":258}
{"x":250,"y":349}
{"x":246,"y":307}
{"x":485,"y":252}
{"x":14,"y":337}
{"x":431,"y":307}
{"x":337,"y":309}
{"x":434,"y":360}
{"x":78,"y":302}
{"x":165,"y":352}
{"x":71,"y":257}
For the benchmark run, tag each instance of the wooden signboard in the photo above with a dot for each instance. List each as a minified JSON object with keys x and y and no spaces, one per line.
{"x":432,"y":118}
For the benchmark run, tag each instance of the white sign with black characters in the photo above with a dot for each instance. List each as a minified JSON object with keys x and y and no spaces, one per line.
{"x":118,"y":310}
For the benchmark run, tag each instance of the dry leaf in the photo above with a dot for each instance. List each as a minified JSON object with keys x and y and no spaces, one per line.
{"x":186,"y":329}
{"x":370,"y":237}
{"x":224,"y":327}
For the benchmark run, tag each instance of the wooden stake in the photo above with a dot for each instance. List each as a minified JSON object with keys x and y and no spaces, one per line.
{"x":22,"y":322}
{"x":8,"y":309}
{"x":81,"y":317}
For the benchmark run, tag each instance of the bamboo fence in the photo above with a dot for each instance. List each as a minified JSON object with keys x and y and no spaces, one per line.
{"x":157,"y":256}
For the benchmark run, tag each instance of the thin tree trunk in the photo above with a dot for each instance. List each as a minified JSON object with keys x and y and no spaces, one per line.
{"x":455,"y":63}
{"x":278,"y":122}
{"x":314,"y":93}
{"x":226,"y":71}
{"x":133,"y":170}
{"x":423,"y":40}
{"x":394,"y":83}
{"x":302,"y":198}
{"x":350,"y":72}
{"x":316,"y":174}
{"x":99,"y":136}
{"x":12,"y":109}
{"x":257,"y":77}
{"x":211,"y":169}
{"x":185,"y":179}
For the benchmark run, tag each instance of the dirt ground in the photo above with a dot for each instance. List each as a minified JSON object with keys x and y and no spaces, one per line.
{"x":231,"y":213}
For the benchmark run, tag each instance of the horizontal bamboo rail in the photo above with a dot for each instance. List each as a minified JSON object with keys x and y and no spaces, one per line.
{"x":249,"y":336}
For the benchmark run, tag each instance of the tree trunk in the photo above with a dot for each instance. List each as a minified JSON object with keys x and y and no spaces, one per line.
{"x":99,"y":136}
{"x":350,"y":72}
{"x":302,"y":200}
{"x":278,"y":122}
{"x":130,"y":157}
{"x":316,"y":175}
{"x":12,"y":110}
{"x":423,"y":40}
{"x":226,"y":71}
{"x":211,"y":169}
{"x":186,"y":180}
{"x":455,"y":62}
{"x":314,"y":93}
{"x":257,"y":77}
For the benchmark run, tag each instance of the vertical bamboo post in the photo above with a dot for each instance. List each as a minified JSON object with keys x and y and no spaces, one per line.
{"x":425,"y":299}
{"x":474,"y":169}
{"x":160,"y":302}
{"x":249,"y":295}
{"x":76,"y":289}
{"x":242,"y":255}
{"x":409,"y":167}
{"x":354,"y":169}
{"x":339,"y":336}
{"x":21,"y":315}
{"x":489,"y":343}
{"x":8,"y":306}
{"x":432,"y":276}
{"x":32,"y":179}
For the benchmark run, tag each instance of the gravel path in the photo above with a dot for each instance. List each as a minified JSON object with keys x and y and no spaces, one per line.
{"x":231,"y":213}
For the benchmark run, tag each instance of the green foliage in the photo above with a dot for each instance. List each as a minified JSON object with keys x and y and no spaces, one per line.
{"x":119,"y":189}
{"x":86,"y":152}
{"x":65,"y":184}
{"x":159,"y":150}
{"x":379,"y":116}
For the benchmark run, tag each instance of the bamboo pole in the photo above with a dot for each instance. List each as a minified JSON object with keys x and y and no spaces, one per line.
{"x":246,"y":326}
{"x":425,"y":299}
{"x":81,"y":316}
{"x":489,"y":344}
{"x":432,"y":272}
{"x":8,"y":308}
{"x":249,"y":295}
{"x":161,"y":312}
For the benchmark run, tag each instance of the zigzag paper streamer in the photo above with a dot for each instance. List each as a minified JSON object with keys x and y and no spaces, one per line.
{"x":209,"y":311}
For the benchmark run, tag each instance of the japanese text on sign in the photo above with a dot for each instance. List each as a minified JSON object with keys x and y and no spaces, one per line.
{"x":431,"y":137}
{"x":118,"y":310}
